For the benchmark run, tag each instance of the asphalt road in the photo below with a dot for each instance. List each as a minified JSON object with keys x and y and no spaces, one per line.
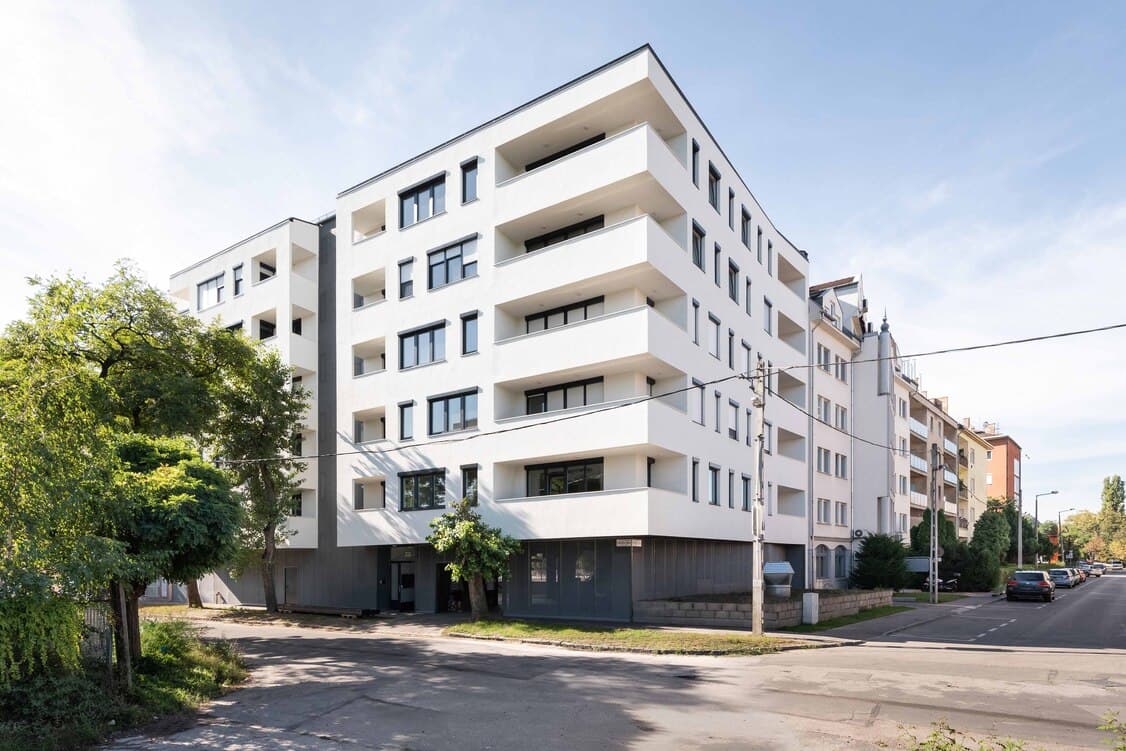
{"x":1090,"y":616}
{"x":337,"y":690}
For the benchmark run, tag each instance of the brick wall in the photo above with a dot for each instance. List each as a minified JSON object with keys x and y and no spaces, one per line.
{"x":737,"y":614}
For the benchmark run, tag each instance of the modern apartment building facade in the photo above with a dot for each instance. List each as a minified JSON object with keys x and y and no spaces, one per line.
{"x":552,"y":315}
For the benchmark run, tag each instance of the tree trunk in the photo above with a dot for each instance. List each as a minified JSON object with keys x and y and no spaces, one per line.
{"x":134,"y":607}
{"x":121,"y":646}
{"x":478,"y":604}
{"x":268,"y":588}
{"x":194,"y":600}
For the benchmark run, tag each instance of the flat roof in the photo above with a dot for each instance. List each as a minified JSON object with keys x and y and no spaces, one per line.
{"x":231,"y":247}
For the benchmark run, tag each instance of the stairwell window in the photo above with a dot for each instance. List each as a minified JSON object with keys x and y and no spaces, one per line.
{"x":713,"y":186}
{"x":422,"y":201}
{"x":768,"y":316}
{"x":713,"y":484}
{"x":745,"y":228}
{"x":698,"y":236}
{"x":733,"y":281}
{"x":469,"y":181}
{"x":406,"y":279}
{"x":452,"y":263}
{"x":695,"y":163}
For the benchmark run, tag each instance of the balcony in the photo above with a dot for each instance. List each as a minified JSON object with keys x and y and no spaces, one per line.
{"x":791,"y":332}
{"x":305,"y":528}
{"x":918,"y":463}
{"x":627,"y":512}
{"x":633,"y":332}
{"x":302,"y":353}
{"x":950,"y":446}
{"x":951,"y":478}
{"x":918,"y":427}
{"x":918,"y":499}
{"x":962,"y":462}
{"x":950,"y":509}
{"x":636,"y":251}
{"x":634,"y":159}
{"x":303,"y":292}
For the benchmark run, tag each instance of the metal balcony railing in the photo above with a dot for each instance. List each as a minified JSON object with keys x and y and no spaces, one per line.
{"x":919,"y":463}
{"x":918,"y":427}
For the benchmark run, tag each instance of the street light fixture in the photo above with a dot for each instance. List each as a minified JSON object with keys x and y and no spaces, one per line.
{"x":1036,"y":514}
{"x":1059,"y":530}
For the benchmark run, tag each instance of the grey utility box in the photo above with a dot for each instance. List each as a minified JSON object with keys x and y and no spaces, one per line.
{"x":777,"y":576}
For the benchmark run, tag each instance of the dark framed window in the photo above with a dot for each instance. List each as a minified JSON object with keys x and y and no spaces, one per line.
{"x":406,"y":421}
{"x":730,"y":489}
{"x":563,"y":234}
{"x":266,"y":271}
{"x":209,"y":292}
{"x":468,"y":333}
{"x":713,"y":484}
{"x":731,"y":208}
{"x":453,"y":412}
{"x":556,"y":317}
{"x":267,"y":329}
{"x":713,"y":336}
{"x":695,"y":480}
{"x":695,"y":163}
{"x":294,"y":506}
{"x":452,"y":263}
{"x":422,"y":490}
{"x":469,"y":483}
{"x":733,"y":420}
{"x":733,"y":281}
{"x":698,"y":236}
{"x":746,"y":492}
{"x":469,"y":181}
{"x":422,"y":201}
{"x":717,"y":252}
{"x":649,"y":462}
{"x":747,"y":294}
{"x":745,"y":229}
{"x":236,"y":278}
{"x":758,"y":244}
{"x":422,"y":346}
{"x":406,"y":278}
{"x":731,"y":349}
{"x":713,"y":186}
{"x":581,"y":476}
{"x":768,"y":316}
{"x":295,"y":326}
{"x":564,"y":152}
{"x":564,"y":396}
{"x":770,"y":257}
{"x":695,"y":321}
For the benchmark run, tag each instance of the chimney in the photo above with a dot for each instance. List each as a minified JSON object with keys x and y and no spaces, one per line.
{"x":942,"y":402}
{"x":990,"y":428}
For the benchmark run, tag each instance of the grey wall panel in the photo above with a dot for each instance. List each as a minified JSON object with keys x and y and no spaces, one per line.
{"x":672,"y":567}
{"x":573,"y":579}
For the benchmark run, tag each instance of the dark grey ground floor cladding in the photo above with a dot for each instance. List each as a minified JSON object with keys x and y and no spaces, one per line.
{"x":593,"y":578}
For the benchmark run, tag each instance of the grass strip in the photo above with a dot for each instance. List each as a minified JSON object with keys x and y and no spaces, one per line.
{"x":845,"y":620}
{"x":614,"y":638}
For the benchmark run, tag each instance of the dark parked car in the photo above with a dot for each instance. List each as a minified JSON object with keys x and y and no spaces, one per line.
{"x":1062,"y":577}
{"x":1035,"y":584}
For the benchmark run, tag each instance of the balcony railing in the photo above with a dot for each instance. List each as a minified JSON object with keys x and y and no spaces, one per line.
{"x":950,"y":477}
{"x":962,"y":462}
{"x":919,"y":463}
{"x":950,"y":446}
{"x":918,"y":427}
{"x":918,"y":499}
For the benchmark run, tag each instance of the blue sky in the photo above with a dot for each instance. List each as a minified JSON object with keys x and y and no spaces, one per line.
{"x":966,"y":158}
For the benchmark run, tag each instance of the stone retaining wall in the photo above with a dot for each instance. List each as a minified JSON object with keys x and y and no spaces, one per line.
{"x":737,"y":614}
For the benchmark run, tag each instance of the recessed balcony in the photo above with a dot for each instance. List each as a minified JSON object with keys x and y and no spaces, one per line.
{"x":791,"y":276}
{"x":369,"y":221}
{"x":950,"y":446}
{"x":918,"y":427}
{"x":918,"y":463}
{"x":951,"y":478}
{"x":918,"y":499}
{"x":369,"y":425}
{"x":791,"y":332}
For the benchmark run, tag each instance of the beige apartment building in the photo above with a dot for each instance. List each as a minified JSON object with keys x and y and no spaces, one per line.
{"x":973,"y":451}
{"x":931,"y":427}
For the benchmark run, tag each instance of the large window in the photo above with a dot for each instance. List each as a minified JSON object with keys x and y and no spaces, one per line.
{"x":564,"y":396}
{"x":698,"y":236}
{"x":565,"y":233}
{"x":550,"y":319}
{"x":469,"y":181}
{"x":422,"y":202}
{"x":468,"y":333}
{"x":582,"y":476}
{"x":406,"y":278}
{"x":452,"y":263}
{"x":209,"y":293}
{"x":422,"y":346}
{"x":422,"y":490}
{"x":469,"y":483}
{"x":453,"y":412}
{"x":713,"y":186}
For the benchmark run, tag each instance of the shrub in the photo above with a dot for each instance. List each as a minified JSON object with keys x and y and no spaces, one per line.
{"x":982,"y":570}
{"x":38,"y":634}
{"x":880,"y":563}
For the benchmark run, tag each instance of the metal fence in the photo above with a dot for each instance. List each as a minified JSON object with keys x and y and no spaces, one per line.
{"x":97,"y":633}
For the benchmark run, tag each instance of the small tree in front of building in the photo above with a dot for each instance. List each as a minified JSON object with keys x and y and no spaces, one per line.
{"x":880,"y":563}
{"x":475,"y":549}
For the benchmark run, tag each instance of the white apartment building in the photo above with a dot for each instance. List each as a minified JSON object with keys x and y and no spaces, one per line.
{"x":489,"y":319}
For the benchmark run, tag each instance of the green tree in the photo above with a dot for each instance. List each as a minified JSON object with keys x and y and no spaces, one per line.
{"x":991,"y":534}
{"x":476,"y":550}
{"x":1112,"y":515}
{"x":880,"y":563}
{"x":176,"y":515}
{"x":253,"y":433}
{"x":921,"y":533}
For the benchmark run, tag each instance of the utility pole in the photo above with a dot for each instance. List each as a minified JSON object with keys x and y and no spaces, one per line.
{"x":936,"y":466}
{"x":1020,"y":531}
{"x":1036,"y":516}
{"x":758,"y":386}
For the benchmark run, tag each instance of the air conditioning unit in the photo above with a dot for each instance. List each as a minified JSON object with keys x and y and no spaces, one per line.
{"x":857,"y":533}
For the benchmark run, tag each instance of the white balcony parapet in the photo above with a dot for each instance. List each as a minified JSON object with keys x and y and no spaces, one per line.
{"x":918,"y":499}
{"x":918,"y":462}
{"x":950,"y":446}
{"x":918,"y":427}
{"x":950,"y":477}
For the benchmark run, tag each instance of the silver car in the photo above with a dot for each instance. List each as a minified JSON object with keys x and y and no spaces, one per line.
{"x":1062,"y":577}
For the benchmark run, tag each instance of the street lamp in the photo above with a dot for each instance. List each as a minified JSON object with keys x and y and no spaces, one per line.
{"x":1059,"y":530}
{"x":1037,"y":515}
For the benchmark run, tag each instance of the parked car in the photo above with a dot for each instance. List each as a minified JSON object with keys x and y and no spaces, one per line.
{"x":1034,"y":584}
{"x":1116,"y":565}
{"x":1098,"y":568}
{"x":1062,"y":577}
{"x":1089,"y":569}
{"x":1080,"y":573}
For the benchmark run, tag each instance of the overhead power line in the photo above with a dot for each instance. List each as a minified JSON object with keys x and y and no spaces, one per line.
{"x":641,"y":399}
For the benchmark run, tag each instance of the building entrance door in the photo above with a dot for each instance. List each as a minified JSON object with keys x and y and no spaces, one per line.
{"x":402,"y":585}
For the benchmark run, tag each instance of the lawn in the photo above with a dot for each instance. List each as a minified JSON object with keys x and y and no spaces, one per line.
{"x":613,"y":638}
{"x":845,"y":620}
{"x":71,"y":710}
